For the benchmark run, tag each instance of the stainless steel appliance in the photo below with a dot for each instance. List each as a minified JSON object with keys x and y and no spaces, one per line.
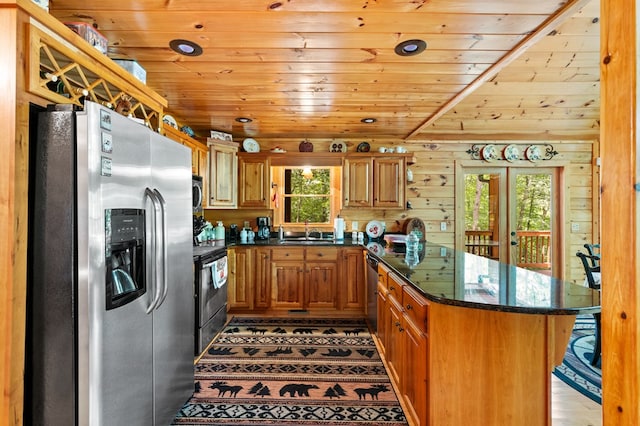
{"x":110,"y":321}
{"x":197,"y":194}
{"x":211,"y":294}
{"x":264,"y":228}
{"x":372,"y":292}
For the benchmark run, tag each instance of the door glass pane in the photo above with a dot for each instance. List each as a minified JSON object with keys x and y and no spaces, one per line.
{"x":533,"y":220}
{"x":482,"y":214}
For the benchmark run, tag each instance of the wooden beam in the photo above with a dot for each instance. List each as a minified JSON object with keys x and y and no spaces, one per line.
{"x":619,"y":187}
{"x":564,"y":13}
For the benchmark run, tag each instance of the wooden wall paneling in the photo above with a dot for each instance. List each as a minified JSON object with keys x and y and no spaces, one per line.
{"x":620,"y":209}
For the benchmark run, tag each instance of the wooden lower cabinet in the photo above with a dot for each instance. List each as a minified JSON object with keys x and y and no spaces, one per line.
{"x":262,"y":282}
{"x":456,"y":365}
{"x":402,"y":333}
{"x":321,"y":283}
{"x":288,"y":281}
{"x":241,"y":278}
{"x":304,"y":278}
{"x":272,"y":279}
{"x":352,"y":281}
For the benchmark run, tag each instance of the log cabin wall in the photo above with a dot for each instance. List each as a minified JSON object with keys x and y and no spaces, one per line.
{"x":432,"y":192}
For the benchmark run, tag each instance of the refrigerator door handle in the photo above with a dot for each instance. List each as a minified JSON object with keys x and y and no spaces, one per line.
{"x":163,"y":242}
{"x":154,"y":252}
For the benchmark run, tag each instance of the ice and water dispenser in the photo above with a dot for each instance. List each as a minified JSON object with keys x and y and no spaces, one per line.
{"x":125,"y":256}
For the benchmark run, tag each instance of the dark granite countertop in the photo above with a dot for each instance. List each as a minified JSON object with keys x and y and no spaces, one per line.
{"x":462,"y":279}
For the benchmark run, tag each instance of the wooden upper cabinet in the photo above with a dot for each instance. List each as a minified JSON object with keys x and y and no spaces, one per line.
{"x":223,"y":174}
{"x":253,"y":171}
{"x":377,"y":182}
{"x":357,"y":182}
{"x":389,"y":182}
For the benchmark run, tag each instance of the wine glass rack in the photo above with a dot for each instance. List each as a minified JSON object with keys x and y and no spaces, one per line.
{"x":64,"y":72}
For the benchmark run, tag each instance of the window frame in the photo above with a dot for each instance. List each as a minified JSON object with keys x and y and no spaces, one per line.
{"x":335,"y":196}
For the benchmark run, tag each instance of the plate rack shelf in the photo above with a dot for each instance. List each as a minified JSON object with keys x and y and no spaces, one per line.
{"x":64,"y":71}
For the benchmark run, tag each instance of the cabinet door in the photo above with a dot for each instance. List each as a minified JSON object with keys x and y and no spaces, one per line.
{"x":262,"y":284}
{"x":389,"y":182}
{"x":253,"y":182}
{"x":395,"y":347}
{"x":287,"y":282}
{"x":321,"y":285}
{"x":383,"y":319}
{"x":357,"y":182}
{"x":223,"y":169}
{"x":203,"y":170}
{"x":414,"y":379}
{"x":353,"y":281}
{"x":240,"y":282}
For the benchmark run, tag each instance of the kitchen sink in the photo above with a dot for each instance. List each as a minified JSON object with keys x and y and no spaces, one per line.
{"x":307,"y":241}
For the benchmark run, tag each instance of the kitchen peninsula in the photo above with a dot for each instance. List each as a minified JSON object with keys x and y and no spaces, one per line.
{"x":476,"y":341}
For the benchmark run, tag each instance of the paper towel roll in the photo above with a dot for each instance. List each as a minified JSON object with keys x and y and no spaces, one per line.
{"x":338,"y":228}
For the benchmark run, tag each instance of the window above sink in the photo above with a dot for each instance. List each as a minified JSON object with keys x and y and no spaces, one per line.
{"x":306,"y":194}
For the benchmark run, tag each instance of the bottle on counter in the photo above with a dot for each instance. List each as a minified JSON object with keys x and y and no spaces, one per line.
{"x":412,"y":247}
{"x":243,"y":236}
{"x":219,"y":232}
{"x":280,"y":233}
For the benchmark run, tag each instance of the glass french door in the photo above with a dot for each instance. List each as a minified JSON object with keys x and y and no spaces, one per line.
{"x":511,"y":215}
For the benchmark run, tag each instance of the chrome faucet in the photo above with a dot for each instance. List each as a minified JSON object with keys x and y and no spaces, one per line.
{"x":306,"y":229}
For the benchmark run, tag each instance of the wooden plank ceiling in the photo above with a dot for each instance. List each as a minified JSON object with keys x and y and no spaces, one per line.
{"x":493,"y":69}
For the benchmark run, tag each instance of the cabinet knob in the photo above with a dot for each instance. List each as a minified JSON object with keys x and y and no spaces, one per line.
{"x":392,"y":288}
{"x":409,"y":307}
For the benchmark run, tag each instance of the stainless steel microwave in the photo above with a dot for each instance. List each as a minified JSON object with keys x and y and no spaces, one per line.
{"x":197,"y":194}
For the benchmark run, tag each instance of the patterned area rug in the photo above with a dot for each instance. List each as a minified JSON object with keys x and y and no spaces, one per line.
{"x":293,"y":371}
{"x":576,"y":369}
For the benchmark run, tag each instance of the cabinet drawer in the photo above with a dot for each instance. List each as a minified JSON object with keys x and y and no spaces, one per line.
{"x":293,"y":253}
{"x":322,"y":253}
{"x":415,"y":306}
{"x":394,"y":285}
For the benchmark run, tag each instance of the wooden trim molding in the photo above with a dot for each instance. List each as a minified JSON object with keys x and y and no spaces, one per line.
{"x":12,"y":276}
{"x":620,"y":245}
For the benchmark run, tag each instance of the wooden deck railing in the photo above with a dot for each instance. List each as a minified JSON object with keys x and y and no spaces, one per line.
{"x":534,"y":247}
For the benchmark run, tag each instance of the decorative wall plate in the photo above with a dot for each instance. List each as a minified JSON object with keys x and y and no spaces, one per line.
{"x":170,"y":121}
{"x":489,"y":153}
{"x":511,"y":153}
{"x":533,"y":153}
{"x":374,"y":229}
{"x":338,"y":147}
{"x":251,"y":145}
{"x":363,"y":147}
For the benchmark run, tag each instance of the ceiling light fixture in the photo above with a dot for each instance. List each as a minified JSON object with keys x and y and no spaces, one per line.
{"x":244,"y":120}
{"x":368,"y":120}
{"x":185,"y":47}
{"x":410,"y":47}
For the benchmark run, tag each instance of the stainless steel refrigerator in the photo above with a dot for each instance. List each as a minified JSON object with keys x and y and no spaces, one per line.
{"x":110,"y":289}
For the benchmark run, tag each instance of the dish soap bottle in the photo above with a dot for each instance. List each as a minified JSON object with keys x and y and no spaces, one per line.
{"x":220,"y":231}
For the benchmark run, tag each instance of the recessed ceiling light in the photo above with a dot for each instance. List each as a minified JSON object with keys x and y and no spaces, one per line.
{"x":368,"y":120}
{"x":185,"y":47}
{"x":244,"y":120}
{"x":410,"y":47}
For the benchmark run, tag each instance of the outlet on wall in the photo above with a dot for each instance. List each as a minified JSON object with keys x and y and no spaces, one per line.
{"x":443,"y":226}
{"x":443,"y":251}
{"x":575,"y":226}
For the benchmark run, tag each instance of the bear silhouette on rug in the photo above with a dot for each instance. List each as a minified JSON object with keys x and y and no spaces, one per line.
{"x":301,"y":389}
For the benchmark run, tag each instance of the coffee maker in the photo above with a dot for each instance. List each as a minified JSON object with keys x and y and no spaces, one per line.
{"x":264,"y":228}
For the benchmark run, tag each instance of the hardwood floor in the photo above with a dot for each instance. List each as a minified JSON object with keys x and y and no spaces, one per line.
{"x":570,"y":408}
